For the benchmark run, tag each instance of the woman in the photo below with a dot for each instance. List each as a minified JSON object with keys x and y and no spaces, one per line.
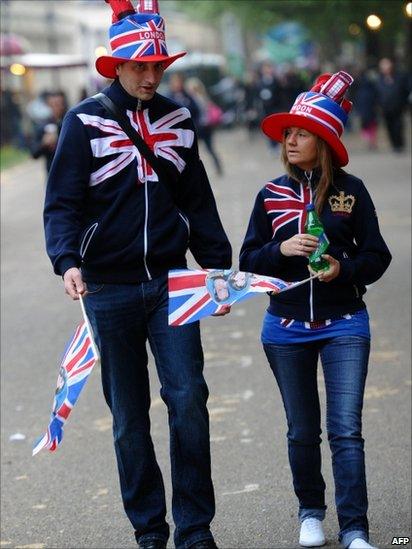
{"x":326,"y":317}
{"x":209,"y":118}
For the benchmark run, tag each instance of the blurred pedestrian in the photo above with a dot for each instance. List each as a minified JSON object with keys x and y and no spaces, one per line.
{"x":179,"y":94}
{"x":291,"y":86}
{"x":393,"y":91}
{"x":210,"y":116}
{"x":270,"y":93}
{"x":116,"y":220}
{"x":365,"y":101}
{"x":327,"y":317}
{"x":11,"y":120}
{"x":46,"y":134}
{"x":251,"y":110}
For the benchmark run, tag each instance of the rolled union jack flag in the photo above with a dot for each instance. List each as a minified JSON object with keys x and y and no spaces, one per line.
{"x":194,"y":294}
{"x":78,"y":360}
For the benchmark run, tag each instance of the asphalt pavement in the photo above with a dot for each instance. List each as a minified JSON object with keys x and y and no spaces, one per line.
{"x":71,"y":498}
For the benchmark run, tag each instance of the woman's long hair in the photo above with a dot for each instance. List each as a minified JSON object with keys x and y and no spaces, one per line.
{"x":324,"y":164}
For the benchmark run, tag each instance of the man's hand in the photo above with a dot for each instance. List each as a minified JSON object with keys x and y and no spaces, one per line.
{"x":329,"y":274}
{"x":73,"y":283}
{"x":224,"y":311}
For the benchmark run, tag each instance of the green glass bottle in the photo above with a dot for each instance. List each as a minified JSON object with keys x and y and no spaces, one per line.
{"x":314,"y":227}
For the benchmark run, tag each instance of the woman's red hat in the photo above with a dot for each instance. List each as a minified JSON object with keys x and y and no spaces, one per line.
{"x":322,"y":111}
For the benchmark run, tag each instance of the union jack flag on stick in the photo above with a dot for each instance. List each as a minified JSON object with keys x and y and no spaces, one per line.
{"x":194,"y":294}
{"x":80,"y":356}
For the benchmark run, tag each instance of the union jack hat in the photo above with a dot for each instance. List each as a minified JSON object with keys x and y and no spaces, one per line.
{"x":137,"y":37}
{"x":323,"y":111}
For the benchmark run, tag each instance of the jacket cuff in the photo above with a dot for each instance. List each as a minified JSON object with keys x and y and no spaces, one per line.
{"x":275,"y":255}
{"x":65,"y":264}
{"x":346,"y":270}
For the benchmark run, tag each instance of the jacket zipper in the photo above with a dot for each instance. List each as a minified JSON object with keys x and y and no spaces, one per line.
{"x":308,"y":176}
{"x":186,"y":222}
{"x":146,"y":199}
{"x":87,"y":238}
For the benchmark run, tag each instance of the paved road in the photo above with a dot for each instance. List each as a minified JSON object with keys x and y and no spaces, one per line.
{"x":71,"y":498}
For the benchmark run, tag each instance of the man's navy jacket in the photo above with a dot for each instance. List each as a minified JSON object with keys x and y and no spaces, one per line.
{"x":106,"y":211}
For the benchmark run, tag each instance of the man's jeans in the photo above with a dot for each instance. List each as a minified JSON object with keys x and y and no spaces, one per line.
{"x":345,"y":363}
{"x":123,"y":317}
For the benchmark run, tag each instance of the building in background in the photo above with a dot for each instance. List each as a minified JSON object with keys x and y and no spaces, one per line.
{"x":61,"y":40}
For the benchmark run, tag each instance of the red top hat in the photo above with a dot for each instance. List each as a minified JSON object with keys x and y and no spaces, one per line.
{"x":135,"y":37}
{"x":323,"y":111}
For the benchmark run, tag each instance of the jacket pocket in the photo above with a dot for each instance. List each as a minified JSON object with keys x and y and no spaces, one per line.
{"x":87,"y":238}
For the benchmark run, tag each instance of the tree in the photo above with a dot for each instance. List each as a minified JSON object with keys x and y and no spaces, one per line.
{"x":327,"y":21}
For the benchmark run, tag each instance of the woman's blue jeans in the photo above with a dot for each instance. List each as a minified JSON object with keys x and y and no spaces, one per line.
{"x":124,"y":317}
{"x":345,"y":364}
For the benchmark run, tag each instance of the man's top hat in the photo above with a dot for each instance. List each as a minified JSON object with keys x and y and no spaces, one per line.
{"x":135,"y":37}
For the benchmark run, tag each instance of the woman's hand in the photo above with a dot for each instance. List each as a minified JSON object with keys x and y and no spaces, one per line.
{"x":225,"y":310}
{"x":329,"y":274}
{"x":300,"y":244}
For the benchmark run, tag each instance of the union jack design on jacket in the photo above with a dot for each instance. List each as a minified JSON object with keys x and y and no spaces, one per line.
{"x":161,"y":136}
{"x":286,"y":205}
{"x":78,"y":360}
{"x":192,"y":294}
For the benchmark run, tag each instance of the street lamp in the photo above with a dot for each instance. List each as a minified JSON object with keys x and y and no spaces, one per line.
{"x":374,"y":22}
{"x":17,"y":69}
{"x":100,"y":50}
{"x":408,"y":9}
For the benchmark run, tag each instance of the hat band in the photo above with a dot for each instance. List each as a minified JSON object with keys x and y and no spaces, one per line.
{"x":322,"y":110}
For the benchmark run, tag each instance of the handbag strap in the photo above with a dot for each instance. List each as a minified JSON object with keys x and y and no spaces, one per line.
{"x":163,"y":172}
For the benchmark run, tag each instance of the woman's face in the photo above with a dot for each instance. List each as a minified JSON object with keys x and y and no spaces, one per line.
{"x":301,"y":149}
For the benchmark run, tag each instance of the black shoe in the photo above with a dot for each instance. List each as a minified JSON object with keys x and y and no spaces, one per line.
{"x":204,"y":544}
{"x":152,"y":544}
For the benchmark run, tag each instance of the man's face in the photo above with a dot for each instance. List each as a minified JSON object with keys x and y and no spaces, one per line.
{"x":140,"y":80}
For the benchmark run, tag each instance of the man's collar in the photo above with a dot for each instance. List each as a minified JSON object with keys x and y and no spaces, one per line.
{"x":124,"y":100}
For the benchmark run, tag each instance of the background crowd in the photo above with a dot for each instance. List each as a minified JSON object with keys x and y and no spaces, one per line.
{"x":381,"y":95}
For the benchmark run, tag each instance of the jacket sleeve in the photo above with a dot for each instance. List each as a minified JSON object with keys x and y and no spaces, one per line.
{"x":259,"y":253}
{"x":65,"y":195}
{"x":208,"y":241}
{"x":372,"y":256}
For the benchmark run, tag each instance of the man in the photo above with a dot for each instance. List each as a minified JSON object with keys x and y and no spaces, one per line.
{"x":113,"y":230}
{"x":393,"y":91}
{"x":46,"y":135}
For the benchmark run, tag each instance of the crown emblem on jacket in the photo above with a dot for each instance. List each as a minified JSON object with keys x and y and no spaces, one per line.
{"x":342,"y":204}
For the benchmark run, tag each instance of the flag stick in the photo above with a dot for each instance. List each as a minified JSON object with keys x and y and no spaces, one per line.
{"x":296,"y":284}
{"x":95,"y":349}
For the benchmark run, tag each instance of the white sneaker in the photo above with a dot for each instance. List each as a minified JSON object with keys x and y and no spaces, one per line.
{"x":359,"y":543}
{"x":311,"y":533}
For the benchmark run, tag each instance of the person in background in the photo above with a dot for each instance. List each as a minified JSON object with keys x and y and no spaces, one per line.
{"x":326,"y":317}
{"x":393,"y":91}
{"x":251,"y":105}
{"x":179,"y":94}
{"x":366,"y":105}
{"x":114,"y":227}
{"x":270,"y":93}
{"x":46,"y":135}
{"x":209,"y":117}
{"x":291,"y":86}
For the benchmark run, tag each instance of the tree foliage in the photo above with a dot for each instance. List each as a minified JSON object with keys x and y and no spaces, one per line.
{"x":326,"y":20}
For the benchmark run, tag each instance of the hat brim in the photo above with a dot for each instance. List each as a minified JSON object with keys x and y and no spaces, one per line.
{"x":106,"y":65}
{"x":275,"y":124}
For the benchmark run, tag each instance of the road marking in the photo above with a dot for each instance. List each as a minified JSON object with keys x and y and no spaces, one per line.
{"x":246,"y":489}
